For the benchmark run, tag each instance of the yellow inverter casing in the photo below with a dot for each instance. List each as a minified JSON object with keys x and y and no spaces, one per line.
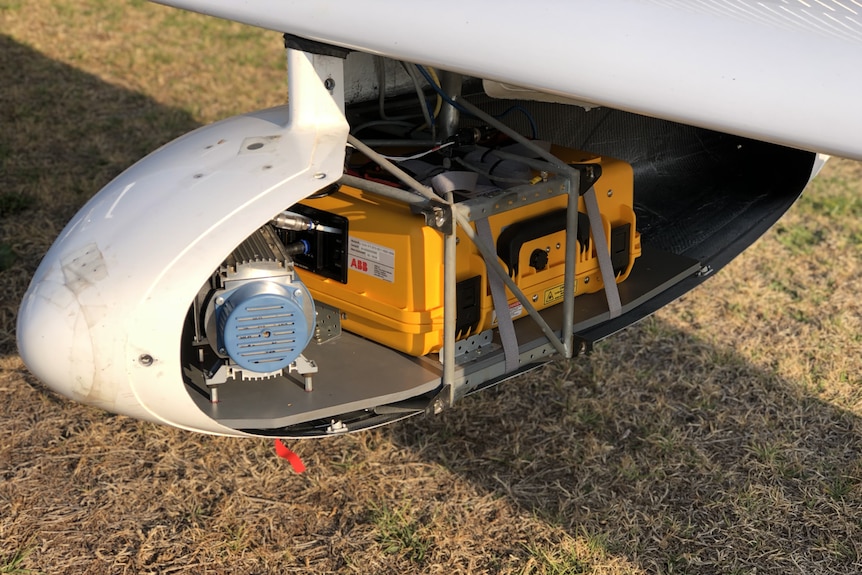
{"x":394,"y":289}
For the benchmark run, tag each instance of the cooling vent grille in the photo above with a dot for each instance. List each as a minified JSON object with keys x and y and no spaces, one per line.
{"x":263,"y":332}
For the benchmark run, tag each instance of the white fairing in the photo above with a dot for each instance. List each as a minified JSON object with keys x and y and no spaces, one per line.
{"x":784,"y":71}
{"x":102,"y":320}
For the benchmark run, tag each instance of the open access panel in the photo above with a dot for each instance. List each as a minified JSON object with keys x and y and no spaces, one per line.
{"x":404,"y":280}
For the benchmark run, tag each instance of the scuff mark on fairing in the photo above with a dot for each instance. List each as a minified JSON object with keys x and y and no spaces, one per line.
{"x":83,"y":268}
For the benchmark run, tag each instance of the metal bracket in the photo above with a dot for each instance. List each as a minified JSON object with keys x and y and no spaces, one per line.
{"x":305,"y":368}
{"x":437,"y":217}
{"x":467,"y":349}
{"x":328,"y":325}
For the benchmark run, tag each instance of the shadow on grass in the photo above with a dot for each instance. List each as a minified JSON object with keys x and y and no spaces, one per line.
{"x":659,"y":448}
{"x":662,"y":448}
{"x":63,"y":135}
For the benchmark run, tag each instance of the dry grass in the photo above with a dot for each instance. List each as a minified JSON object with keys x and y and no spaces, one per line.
{"x":722,"y":435}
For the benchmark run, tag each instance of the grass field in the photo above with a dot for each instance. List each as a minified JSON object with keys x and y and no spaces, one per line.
{"x":722,"y":435}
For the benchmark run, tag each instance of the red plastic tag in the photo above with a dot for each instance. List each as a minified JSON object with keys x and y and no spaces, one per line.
{"x":282,"y":451}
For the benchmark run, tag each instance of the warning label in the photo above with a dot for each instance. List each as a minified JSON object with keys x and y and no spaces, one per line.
{"x":515,"y":310}
{"x":554,"y":294}
{"x":371,"y":259}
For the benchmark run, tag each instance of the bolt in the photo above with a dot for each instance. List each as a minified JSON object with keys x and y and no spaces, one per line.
{"x":219,"y":300}
{"x":329,"y":84}
{"x":558,"y":246}
{"x":297,"y":292}
{"x":705,"y":271}
{"x":319,"y":176}
{"x":586,"y":280}
{"x":146,"y":359}
{"x":535,"y":298}
{"x":610,"y":193}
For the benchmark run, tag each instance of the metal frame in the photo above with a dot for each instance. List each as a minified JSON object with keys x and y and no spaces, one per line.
{"x":567,"y":181}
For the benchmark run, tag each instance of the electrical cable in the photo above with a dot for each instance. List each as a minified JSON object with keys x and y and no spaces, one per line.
{"x":376,"y":123}
{"x":440,"y":91}
{"x":474,"y":168}
{"x":533,"y":127}
{"x":419,"y":155}
{"x":426,"y":109}
{"x":436,"y":79}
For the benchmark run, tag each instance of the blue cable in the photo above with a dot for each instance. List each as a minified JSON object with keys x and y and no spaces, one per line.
{"x":440,"y":91}
{"x":533,"y":127}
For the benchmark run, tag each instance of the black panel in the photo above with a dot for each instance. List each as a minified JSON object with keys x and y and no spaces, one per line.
{"x":327,"y":252}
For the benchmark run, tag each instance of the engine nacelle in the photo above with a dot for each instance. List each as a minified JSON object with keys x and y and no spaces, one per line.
{"x":103,"y":321}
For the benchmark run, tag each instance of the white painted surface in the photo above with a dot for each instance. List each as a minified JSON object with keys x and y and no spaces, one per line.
{"x":117,"y":284}
{"x":785,"y":71}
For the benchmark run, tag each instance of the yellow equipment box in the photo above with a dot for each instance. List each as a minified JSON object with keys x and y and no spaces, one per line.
{"x":393,"y":263}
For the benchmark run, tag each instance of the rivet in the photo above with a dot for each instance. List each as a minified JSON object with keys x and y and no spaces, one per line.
{"x":146,"y":359}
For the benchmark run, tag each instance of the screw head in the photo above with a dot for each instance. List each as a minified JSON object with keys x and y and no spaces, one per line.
{"x":145,"y":359}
